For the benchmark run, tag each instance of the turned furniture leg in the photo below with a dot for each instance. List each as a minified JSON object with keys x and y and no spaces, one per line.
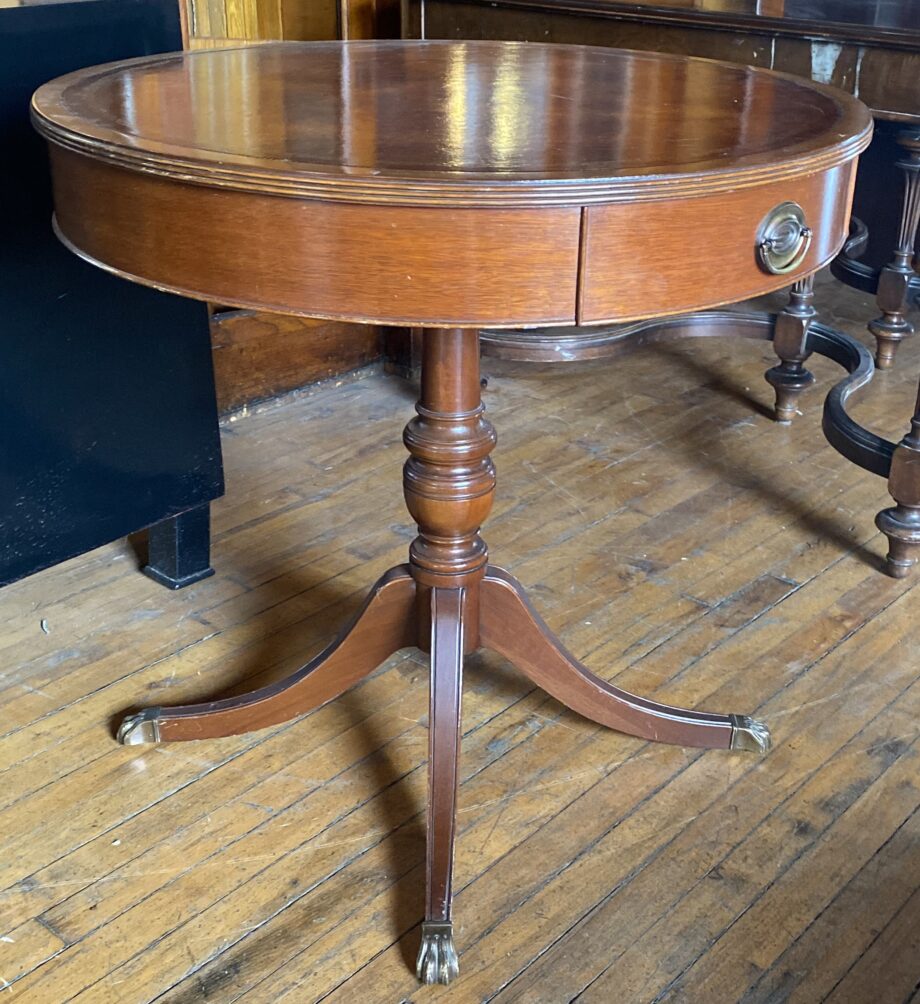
{"x":901,"y":524}
{"x":437,"y":957}
{"x":179,"y":549}
{"x":385,"y":624}
{"x":894,"y":282}
{"x":790,"y":342}
{"x":449,"y":480}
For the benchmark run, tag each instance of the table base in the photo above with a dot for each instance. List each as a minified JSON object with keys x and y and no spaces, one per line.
{"x":449,"y":601}
{"x":897,"y":284}
{"x":857,"y":274}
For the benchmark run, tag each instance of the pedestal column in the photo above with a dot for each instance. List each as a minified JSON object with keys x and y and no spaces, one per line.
{"x":449,"y":481}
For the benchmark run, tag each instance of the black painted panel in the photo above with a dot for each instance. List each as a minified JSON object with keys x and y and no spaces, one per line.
{"x":108,"y":420}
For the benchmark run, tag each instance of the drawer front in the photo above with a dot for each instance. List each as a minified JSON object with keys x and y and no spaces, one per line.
{"x":702,"y":252}
{"x":382,"y":264}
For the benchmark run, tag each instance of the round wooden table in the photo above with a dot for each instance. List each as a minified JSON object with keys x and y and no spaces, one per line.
{"x":451,"y":186}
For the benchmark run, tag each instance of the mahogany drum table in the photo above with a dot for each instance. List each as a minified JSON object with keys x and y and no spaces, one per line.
{"x":451,"y":186}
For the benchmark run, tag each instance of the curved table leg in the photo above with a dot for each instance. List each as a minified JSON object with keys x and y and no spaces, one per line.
{"x":894,"y":282}
{"x":510,"y":626}
{"x":385,"y":624}
{"x":437,"y":957}
{"x":790,"y":342}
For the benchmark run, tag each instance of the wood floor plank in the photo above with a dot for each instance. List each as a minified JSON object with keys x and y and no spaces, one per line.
{"x":888,"y":971}
{"x":23,"y":948}
{"x":283,"y":758}
{"x":836,"y":808}
{"x":824,"y":954}
{"x":861,"y":829}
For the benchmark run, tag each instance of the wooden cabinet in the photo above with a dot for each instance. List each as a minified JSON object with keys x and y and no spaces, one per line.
{"x":217,"y":22}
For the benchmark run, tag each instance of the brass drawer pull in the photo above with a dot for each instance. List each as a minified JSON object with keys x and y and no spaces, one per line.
{"x":783,"y":239}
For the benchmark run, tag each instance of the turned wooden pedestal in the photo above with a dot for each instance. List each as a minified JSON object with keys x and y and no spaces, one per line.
{"x":447,"y":186}
{"x":447,"y":601}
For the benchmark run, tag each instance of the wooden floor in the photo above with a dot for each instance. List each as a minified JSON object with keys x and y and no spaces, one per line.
{"x":677,"y":539}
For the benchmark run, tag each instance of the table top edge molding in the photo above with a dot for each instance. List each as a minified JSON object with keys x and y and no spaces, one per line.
{"x":419,"y":191}
{"x":215,"y":168}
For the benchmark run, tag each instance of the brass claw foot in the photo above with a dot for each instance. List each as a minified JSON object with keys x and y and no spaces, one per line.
{"x":144,"y":727}
{"x":750,"y":734}
{"x":437,"y":957}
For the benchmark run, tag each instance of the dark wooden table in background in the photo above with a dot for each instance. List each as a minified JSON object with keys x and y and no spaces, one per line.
{"x":488,"y":187}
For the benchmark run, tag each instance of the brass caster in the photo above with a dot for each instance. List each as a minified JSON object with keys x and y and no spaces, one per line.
{"x":749,"y":734}
{"x":437,"y":957}
{"x":144,"y":727}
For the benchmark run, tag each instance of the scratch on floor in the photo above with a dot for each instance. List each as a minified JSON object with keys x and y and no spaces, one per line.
{"x":823,"y":700}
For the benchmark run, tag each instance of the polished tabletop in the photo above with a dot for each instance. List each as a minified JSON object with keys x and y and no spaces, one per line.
{"x":492,"y":117}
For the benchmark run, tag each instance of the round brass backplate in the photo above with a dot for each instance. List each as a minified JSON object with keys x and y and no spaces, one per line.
{"x":783,"y":239}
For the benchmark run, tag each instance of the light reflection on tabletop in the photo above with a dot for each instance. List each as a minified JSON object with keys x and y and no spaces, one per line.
{"x":480,"y":109}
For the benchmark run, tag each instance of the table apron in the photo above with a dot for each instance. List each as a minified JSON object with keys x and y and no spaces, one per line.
{"x":438,"y":266}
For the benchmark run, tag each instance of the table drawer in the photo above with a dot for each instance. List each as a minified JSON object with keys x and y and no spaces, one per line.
{"x":700,"y":252}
